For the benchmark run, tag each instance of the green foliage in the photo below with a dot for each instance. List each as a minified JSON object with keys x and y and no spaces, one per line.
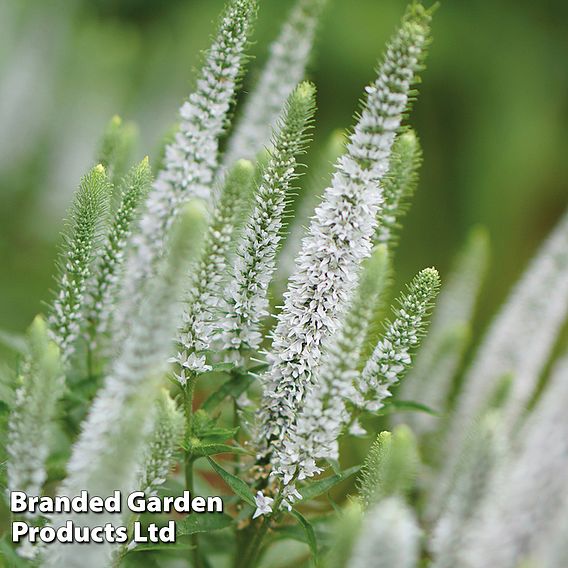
{"x":237,"y":485}
{"x":310,"y":535}
{"x":322,"y":486}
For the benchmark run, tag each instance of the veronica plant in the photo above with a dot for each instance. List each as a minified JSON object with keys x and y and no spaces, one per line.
{"x":102,"y":288}
{"x":285,"y":68}
{"x":256,"y":256}
{"x":185,"y":374}
{"x":209,"y":276}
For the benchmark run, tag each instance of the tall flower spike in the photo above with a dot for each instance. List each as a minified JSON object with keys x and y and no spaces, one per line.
{"x":483,"y":452}
{"x":530,"y":491}
{"x":338,"y":240}
{"x":398,"y":186}
{"x":536,"y":318}
{"x":208,"y":278}
{"x":324,"y":415}
{"x":284,"y":69}
{"x":191,"y":160}
{"x":256,"y":256}
{"x":41,"y":384}
{"x":106,"y":455}
{"x":431,"y":377}
{"x":391,"y":356}
{"x":162,"y":444}
{"x":103,"y":285}
{"x":81,"y":238}
{"x":390,"y":537}
{"x":390,"y":468}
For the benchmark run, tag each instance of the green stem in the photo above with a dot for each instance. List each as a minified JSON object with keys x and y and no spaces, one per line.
{"x":251,"y":555}
{"x":236,"y":424}
{"x":189,"y":458}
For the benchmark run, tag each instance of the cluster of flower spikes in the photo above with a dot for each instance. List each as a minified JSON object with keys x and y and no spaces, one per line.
{"x":325,"y":413}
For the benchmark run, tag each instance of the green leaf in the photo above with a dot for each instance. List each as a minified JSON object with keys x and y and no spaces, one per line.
{"x":233,"y":387}
{"x":236,"y":484}
{"x":310,"y":535}
{"x":4,"y":407}
{"x":206,"y":431}
{"x":408,"y":406}
{"x":203,"y":450}
{"x":218,"y":435}
{"x":322,"y":486}
{"x":203,"y":522}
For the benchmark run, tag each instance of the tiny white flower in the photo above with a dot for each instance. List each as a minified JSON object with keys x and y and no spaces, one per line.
{"x":357,"y":430}
{"x":262,"y":504}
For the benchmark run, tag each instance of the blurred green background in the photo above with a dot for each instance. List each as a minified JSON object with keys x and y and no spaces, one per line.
{"x":492,"y":116}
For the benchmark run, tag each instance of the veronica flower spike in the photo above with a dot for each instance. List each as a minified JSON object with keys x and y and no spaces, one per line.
{"x":103,"y":286}
{"x":256,"y":255}
{"x":398,"y":186}
{"x":191,"y":160}
{"x":163,"y":442}
{"x":391,"y":356}
{"x":208,"y":277}
{"x":339,"y":238}
{"x":390,"y":537}
{"x":86,"y":222}
{"x":325,"y":413}
{"x":39,"y":388}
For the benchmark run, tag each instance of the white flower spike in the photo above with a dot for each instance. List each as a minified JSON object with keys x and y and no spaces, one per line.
{"x":339,"y":238}
{"x":191,"y":160}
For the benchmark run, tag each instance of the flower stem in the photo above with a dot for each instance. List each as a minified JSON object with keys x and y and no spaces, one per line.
{"x":189,"y":458}
{"x":252,"y":552}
